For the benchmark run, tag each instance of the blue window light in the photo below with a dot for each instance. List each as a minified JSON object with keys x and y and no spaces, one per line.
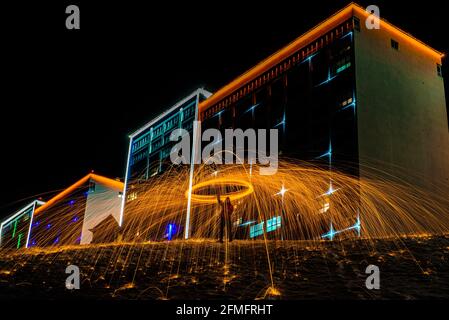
{"x":171,"y":231}
{"x":344,"y":67}
{"x":256,"y":230}
{"x":273,"y":223}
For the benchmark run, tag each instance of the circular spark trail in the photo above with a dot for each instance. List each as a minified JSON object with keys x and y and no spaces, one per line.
{"x":221,"y":183}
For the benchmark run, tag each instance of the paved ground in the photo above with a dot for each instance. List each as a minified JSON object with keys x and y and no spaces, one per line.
{"x":416,"y":268}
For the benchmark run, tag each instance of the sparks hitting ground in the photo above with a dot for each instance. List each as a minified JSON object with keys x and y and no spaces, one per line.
{"x":368,"y":217}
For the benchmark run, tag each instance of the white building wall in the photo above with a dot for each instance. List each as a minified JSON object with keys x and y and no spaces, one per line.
{"x":101,"y":203}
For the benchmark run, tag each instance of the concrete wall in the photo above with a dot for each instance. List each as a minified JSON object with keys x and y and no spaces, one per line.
{"x":100,"y":204}
{"x":401,"y":108}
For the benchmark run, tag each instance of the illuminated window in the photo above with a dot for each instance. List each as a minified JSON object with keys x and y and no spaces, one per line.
{"x":138,"y":156}
{"x":15,"y":229}
{"x":256,"y":230}
{"x":92,"y":187}
{"x":157,"y":144}
{"x":394,"y":44}
{"x":325,"y":208}
{"x":166,"y":152}
{"x":141,"y":143}
{"x":439,"y":70}
{"x":273,"y":223}
{"x":158,"y":131}
{"x":342,"y":61}
{"x":344,"y":67}
{"x":346,"y":102}
{"x":172,"y":122}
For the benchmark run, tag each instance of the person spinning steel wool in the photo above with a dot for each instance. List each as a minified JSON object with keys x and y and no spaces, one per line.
{"x":225,"y":211}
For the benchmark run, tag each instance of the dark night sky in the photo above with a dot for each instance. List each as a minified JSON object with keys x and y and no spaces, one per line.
{"x":69,"y":98}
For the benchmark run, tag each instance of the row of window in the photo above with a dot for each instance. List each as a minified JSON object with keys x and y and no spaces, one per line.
{"x":258,"y":229}
{"x":187,"y":125}
{"x":395,"y":46}
{"x":140,"y":154}
{"x":171,"y":123}
{"x":142,"y":142}
{"x":186,"y":114}
{"x":189,"y":111}
{"x":166,"y":152}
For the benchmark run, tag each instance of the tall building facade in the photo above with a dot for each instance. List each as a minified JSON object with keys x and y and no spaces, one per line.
{"x":150,"y":146}
{"x":368,"y":102}
{"x":14,"y":230}
{"x":71,"y":216}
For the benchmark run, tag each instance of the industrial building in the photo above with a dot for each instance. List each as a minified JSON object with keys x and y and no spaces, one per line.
{"x":70,"y":217}
{"x":367,"y":102}
{"x":150,"y":146}
{"x":15,"y":229}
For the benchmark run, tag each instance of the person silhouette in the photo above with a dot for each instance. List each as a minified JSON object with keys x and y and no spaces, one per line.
{"x":228,"y":210}
{"x":225,"y":211}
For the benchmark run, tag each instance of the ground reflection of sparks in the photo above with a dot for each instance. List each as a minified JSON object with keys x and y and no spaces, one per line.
{"x":302,"y":270}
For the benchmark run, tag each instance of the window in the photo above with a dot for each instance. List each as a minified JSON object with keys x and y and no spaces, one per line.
{"x":165,"y":153}
{"x":273,"y":223}
{"x":156,"y":144}
{"x":439,"y":70}
{"x":343,"y":65}
{"x":256,"y":230}
{"x":172,"y":122}
{"x":394,"y":44}
{"x":342,"y":60}
{"x":346,"y":102}
{"x":138,"y":157}
{"x":238,"y":222}
{"x":167,"y":138}
{"x":141,"y":142}
{"x":356,"y":23}
{"x":187,"y":125}
{"x":92,"y":187}
{"x":158,"y":131}
{"x":189,"y":112}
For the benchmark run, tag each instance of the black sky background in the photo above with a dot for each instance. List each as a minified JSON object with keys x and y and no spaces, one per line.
{"x":69,"y":98}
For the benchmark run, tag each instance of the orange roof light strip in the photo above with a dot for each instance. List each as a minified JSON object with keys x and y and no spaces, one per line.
{"x":106,"y":181}
{"x":103,"y":180}
{"x":302,"y":41}
{"x":384,"y":24}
